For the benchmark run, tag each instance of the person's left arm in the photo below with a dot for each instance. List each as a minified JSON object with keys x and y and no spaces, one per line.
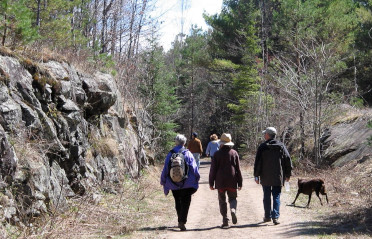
{"x":192,"y":165}
{"x":287,"y":169}
{"x":237,"y":170}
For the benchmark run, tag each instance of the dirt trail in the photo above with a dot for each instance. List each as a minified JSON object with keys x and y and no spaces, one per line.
{"x":204,"y":219}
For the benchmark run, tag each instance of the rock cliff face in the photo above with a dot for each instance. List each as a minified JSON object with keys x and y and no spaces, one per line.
{"x":61,"y":132}
{"x":347,"y":139}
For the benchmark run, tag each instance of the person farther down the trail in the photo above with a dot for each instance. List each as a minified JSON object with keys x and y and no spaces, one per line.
{"x":182,"y":191}
{"x":226,"y":177}
{"x":272,"y":167}
{"x":195,"y":147}
{"x":213,"y":146}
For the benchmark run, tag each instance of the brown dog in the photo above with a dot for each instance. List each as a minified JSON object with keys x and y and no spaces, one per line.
{"x":308,"y":186}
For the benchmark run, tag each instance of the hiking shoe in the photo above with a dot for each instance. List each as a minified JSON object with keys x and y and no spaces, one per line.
{"x":266,"y":219}
{"x":275,"y":221}
{"x":225,"y":226}
{"x":181,"y":226}
{"x":233,"y":216}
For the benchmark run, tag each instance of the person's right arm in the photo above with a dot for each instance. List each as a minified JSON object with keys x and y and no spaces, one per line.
{"x":208,"y":150}
{"x":257,"y":164}
{"x":164,"y":173}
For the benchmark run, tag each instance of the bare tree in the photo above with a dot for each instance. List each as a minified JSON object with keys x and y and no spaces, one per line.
{"x":308,"y":81}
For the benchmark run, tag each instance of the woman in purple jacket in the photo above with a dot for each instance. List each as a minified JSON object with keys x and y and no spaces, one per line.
{"x":182,"y":191}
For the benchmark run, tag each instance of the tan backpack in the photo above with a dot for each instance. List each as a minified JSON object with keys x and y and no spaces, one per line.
{"x":178,"y":168}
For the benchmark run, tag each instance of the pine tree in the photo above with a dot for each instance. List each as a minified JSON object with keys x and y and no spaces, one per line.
{"x":235,"y":39}
{"x":16,"y":24}
{"x":158,"y":90}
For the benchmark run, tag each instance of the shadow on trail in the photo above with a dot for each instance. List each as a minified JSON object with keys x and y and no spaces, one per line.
{"x":175,"y":229}
{"x":291,"y":205}
{"x":205,"y":163}
{"x":354,"y":221}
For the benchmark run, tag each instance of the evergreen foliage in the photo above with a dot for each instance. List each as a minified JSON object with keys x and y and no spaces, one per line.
{"x":159,"y":86}
{"x":16,"y":23}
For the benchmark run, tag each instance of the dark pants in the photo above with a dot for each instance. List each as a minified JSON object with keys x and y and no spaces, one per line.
{"x":182,"y":198}
{"x":223,"y":205}
{"x":271,"y":212}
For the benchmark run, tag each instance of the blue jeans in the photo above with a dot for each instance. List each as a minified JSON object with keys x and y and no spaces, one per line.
{"x":197,"y":159}
{"x":275,"y":191}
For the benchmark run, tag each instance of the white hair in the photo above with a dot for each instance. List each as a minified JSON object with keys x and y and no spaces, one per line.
{"x":180,"y":139}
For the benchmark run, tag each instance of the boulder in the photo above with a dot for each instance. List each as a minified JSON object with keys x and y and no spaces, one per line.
{"x":347,"y":141}
{"x":10,"y":111}
{"x":8,"y":159}
{"x":100,"y":97}
{"x":20,"y":80}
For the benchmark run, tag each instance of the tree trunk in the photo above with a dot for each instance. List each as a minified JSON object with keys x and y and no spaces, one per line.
{"x":130,"y":46}
{"x":38,"y":13}
{"x":5,"y":29}
{"x":95,"y":26}
{"x":103,"y":44}
{"x":144,"y":3}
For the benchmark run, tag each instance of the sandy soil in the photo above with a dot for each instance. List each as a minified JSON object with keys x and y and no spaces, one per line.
{"x":204,"y":219}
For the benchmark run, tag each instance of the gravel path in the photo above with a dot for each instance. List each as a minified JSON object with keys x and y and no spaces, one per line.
{"x":204,"y":219}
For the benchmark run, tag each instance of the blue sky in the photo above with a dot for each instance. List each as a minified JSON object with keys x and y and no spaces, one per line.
{"x":169,"y":13}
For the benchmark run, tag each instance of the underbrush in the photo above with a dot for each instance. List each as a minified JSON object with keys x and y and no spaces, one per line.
{"x":106,"y":213}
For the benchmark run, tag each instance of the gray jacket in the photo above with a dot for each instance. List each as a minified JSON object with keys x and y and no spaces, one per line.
{"x":273,"y":163}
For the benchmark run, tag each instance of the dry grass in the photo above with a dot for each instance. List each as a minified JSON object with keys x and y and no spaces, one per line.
{"x":106,"y":146}
{"x":4,"y":51}
{"x":102,"y":215}
{"x":349,"y":211}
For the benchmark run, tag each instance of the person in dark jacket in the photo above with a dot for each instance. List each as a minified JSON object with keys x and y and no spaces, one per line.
{"x":181,"y":191}
{"x":226,"y":177}
{"x":272,"y":167}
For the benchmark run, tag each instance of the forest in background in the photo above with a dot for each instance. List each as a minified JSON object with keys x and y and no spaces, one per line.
{"x":285,"y":63}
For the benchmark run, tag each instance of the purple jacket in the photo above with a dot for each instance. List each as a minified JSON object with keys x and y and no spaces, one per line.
{"x":193,"y":175}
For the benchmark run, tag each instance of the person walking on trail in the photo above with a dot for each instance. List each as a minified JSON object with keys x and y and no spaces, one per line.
{"x":195,"y":148}
{"x":213,"y":146}
{"x":272,"y":167}
{"x":226,"y":177}
{"x":182,"y":191}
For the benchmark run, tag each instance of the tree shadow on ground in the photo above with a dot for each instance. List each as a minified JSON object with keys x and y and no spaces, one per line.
{"x":204,"y":163}
{"x":356,"y":221}
{"x":200,"y":229}
{"x":291,"y":205}
{"x":176,"y":229}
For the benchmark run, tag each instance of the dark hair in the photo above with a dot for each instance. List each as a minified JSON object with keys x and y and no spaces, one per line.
{"x":195,"y":134}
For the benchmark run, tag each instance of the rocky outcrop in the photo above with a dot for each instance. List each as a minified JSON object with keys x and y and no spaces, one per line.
{"x":347,"y":140}
{"x":61,"y":132}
